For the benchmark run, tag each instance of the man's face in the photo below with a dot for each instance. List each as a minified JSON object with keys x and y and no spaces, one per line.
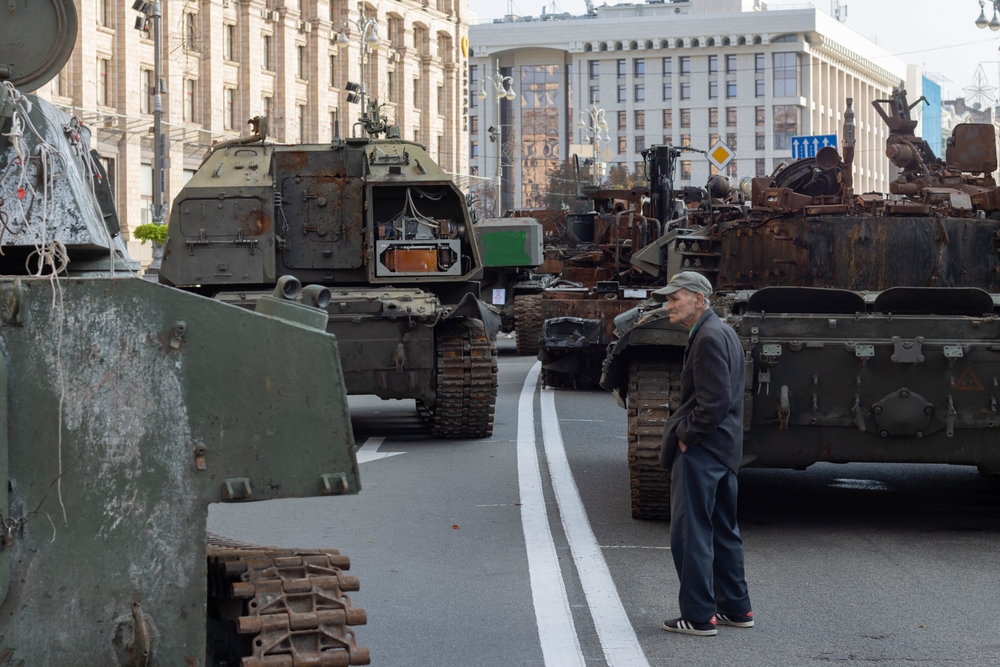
{"x":684,"y":307}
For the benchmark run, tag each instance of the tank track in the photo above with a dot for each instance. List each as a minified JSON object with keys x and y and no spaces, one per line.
{"x":653,"y":389}
{"x":466,"y":382}
{"x":528,"y":323}
{"x":275,"y":607}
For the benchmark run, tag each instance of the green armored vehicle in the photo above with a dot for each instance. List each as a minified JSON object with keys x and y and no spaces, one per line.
{"x":126,"y":408}
{"x":869,"y":323}
{"x":380,"y":224}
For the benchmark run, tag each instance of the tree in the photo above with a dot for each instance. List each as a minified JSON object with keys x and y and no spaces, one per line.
{"x":485,"y":201}
{"x":620,"y":179}
{"x":561,"y":190}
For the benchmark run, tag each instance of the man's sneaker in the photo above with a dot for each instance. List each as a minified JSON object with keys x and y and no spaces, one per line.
{"x":689,"y":628}
{"x":736,"y":620}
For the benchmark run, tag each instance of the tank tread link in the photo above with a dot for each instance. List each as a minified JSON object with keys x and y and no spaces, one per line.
{"x":654,"y":390}
{"x":289,"y":605}
{"x":466,"y":382}
{"x":528,"y":323}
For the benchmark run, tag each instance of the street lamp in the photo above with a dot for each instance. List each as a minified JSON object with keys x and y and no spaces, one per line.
{"x":150,"y":18}
{"x":504,"y":90}
{"x":595,"y":128}
{"x":993,"y":24}
{"x":368,"y":36}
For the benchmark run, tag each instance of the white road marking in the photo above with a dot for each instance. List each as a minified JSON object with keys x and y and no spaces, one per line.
{"x":614,"y":630}
{"x":369,"y":451}
{"x":629,"y":546}
{"x":556,"y":631}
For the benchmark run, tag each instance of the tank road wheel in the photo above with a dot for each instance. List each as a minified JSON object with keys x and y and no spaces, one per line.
{"x":528,"y":323}
{"x":270,"y":606}
{"x":466,"y":381}
{"x":650,"y":389}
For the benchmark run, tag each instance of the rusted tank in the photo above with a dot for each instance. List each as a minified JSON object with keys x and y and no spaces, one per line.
{"x":126,"y":408}
{"x":869,"y":321}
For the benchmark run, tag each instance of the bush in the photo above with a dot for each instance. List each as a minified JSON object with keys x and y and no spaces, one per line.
{"x":154,"y":233}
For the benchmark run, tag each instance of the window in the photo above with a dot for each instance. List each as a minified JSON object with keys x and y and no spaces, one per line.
{"x":685,"y":65}
{"x":786,"y":74}
{"x":474,"y":150}
{"x":622,"y":120}
{"x":621,"y":68}
{"x":474,"y":86}
{"x":267,"y":103}
{"x":101,"y":11}
{"x":759,"y":141}
{"x":640,"y":144}
{"x":333,"y":125}
{"x":685,"y":170}
{"x":621,"y":92}
{"x":668,"y":66}
{"x":668,"y":119}
{"x":713,"y":117}
{"x":265,"y":53}
{"x":685,"y":91}
{"x":189,"y":100}
{"x":685,"y":118}
{"x":639,"y":67}
{"x":300,"y":62}
{"x":730,"y":89}
{"x":146,"y":193}
{"x":730,"y":116}
{"x":333,"y":75}
{"x":731,"y":140}
{"x":759,"y":168}
{"x":595,"y":94}
{"x":594,"y":67}
{"x":474,"y":125}
{"x":713,"y":90}
{"x":759,"y":115}
{"x":103,"y":67}
{"x":391,"y":88}
{"x":640,"y":92}
{"x":758,"y":63}
{"x":712,"y":138}
{"x":786,"y":126}
{"x":442,"y":103}
{"x":668,"y":92}
{"x":730,"y":64}
{"x":228,"y":34}
{"x":685,"y":140}
{"x":713,"y":65}
{"x":189,"y":31}
{"x":622,"y":145}
{"x":395,"y":29}
{"x":229,"y":111}
{"x":758,"y":89}
{"x":146,"y":93}
{"x":301,"y":113}
{"x":416,"y":94}
{"x":640,"y":120}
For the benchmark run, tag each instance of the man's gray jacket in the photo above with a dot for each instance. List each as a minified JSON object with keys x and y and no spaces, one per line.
{"x":712,"y":385}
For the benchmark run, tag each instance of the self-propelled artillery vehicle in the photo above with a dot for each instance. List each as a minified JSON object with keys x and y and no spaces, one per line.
{"x":376,"y":221}
{"x":869,"y":321}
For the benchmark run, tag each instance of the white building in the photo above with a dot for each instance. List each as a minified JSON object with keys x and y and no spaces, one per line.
{"x":226,"y":61}
{"x":681,"y":72}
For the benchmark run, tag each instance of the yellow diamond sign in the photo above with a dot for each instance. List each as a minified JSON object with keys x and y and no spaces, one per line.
{"x":720,"y":155}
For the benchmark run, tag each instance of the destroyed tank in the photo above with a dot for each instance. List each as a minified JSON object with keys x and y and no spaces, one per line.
{"x":378,"y":222}
{"x":869,"y":322}
{"x":128,"y":407}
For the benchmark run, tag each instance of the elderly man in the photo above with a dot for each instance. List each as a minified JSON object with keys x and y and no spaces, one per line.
{"x":702,"y":447}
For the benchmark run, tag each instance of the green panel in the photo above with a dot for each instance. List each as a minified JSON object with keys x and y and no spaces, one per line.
{"x":506,"y":248}
{"x":148,"y":378}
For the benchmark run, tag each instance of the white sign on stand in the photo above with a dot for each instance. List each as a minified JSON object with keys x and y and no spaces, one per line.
{"x":499,"y":296}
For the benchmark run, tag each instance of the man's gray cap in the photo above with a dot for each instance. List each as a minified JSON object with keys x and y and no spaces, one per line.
{"x":689,"y":280}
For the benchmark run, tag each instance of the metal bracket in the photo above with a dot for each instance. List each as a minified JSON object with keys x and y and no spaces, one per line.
{"x":771,"y":350}
{"x":784,"y":410}
{"x":953,"y":352}
{"x":177,"y":335}
{"x":859,"y":414}
{"x":334,"y":483}
{"x":236,"y":488}
{"x":907,"y":351}
{"x":950,"y":421}
{"x":864,"y":351}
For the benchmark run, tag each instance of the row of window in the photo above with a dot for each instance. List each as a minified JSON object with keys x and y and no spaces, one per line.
{"x":684,"y":62}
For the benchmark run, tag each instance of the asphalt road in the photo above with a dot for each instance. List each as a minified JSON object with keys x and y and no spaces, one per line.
{"x":861,"y":563}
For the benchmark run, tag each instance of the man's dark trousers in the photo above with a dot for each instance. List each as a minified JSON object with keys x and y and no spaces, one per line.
{"x":704,"y":538}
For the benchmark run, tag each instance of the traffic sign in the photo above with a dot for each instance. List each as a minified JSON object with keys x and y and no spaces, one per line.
{"x":720,"y":154}
{"x":803,"y":147}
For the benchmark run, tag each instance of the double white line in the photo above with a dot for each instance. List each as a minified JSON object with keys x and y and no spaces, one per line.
{"x":556,"y":630}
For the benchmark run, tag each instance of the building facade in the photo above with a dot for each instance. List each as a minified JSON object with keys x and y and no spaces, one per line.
{"x":686,"y":73}
{"x":225,"y":61}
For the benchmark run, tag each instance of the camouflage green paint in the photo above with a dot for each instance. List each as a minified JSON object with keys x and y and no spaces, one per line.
{"x":506,"y":248}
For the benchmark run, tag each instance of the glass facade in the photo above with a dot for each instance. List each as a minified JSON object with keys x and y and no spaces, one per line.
{"x":540,"y":104}
{"x":786,"y":74}
{"x":786,"y":125}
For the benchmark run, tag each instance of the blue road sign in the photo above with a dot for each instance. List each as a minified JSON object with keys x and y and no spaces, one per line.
{"x":803,"y":147}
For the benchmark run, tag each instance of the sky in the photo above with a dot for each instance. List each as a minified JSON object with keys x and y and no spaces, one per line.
{"x":939,"y":35}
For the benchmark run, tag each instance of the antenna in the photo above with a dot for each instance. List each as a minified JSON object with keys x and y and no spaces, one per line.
{"x":838,"y":11}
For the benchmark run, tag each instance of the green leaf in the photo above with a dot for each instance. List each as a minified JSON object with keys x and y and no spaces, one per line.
{"x":154,"y":233}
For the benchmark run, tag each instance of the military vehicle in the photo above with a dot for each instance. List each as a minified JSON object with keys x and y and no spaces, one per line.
{"x":128,"y":407}
{"x":869,"y":322}
{"x":378,"y":222}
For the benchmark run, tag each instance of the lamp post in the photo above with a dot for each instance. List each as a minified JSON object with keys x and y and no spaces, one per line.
{"x":368,"y":35}
{"x":504,"y":86}
{"x":594,"y":126}
{"x":993,"y":24}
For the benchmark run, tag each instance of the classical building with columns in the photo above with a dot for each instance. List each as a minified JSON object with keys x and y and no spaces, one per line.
{"x":225,"y":61}
{"x":681,"y":72}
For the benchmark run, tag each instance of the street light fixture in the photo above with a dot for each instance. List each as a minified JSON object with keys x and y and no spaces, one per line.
{"x":595,"y":128}
{"x":368,"y":37}
{"x":504,"y":86}
{"x":993,"y":24}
